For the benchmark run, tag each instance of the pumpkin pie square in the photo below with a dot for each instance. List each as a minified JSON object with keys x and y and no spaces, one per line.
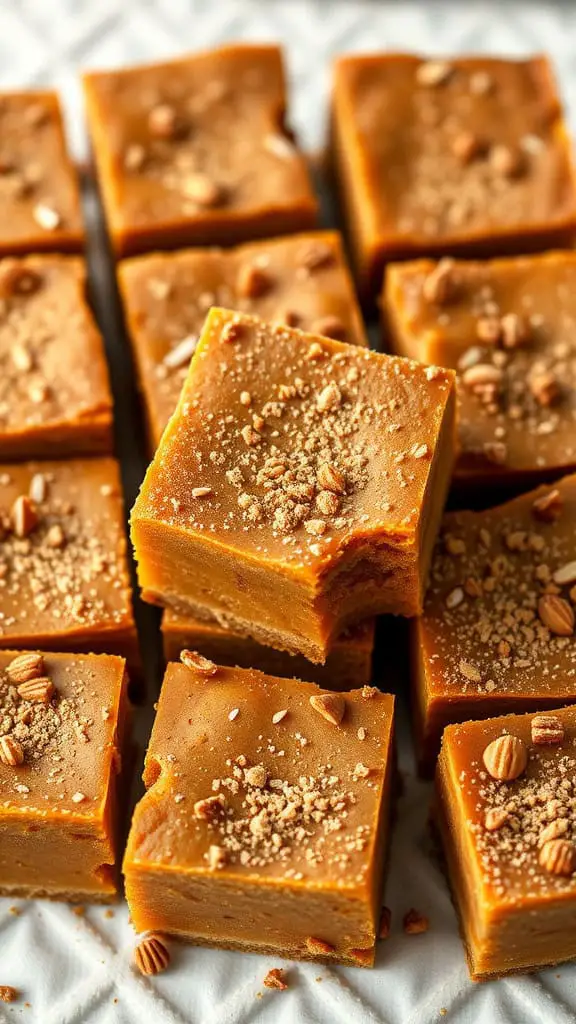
{"x":467,"y":156}
{"x":298,"y":487}
{"x":40,"y":208}
{"x":348,"y":663}
{"x":196,"y":151}
{"x":300,"y":280}
{"x":64,"y":577}
{"x":63,"y":725}
{"x":269,"y":797}
{"x":506,"y":327}
{"x":505,"y":807}
{"x":497,"y":631}
{"x":55,"y":397}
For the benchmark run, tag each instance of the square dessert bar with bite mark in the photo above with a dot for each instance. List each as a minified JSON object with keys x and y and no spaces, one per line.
{"x":270,"y":798}
{"x":468,"y":156}
{"x":348,"y":663}
{"x":55,"y":396}
{"x":507,"y":327}
{"x":63,"y":723}
{"x":298,"y":486}
{"x":196,"y":152}
{"x":497,"y":632}
{"x":64,"y":580}
{"x":506,"y":798}
{"x":300,"y":280}
{"x":40,"y":209}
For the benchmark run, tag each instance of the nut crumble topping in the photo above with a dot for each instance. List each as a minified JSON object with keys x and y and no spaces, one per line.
{"x":526,"y":835}
{"x":67,"y":569}
{"x":494,"y":617}
{"x":42,"y":741}
{"x":315,"y":470}
{"x":274,"y":802}
{"x":291,"y":280}
{"x":517,"y":374}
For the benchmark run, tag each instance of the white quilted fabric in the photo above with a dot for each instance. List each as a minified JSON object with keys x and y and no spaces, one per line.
{"x":76,"y":970}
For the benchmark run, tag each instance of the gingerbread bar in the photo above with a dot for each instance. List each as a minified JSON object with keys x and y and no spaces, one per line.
{"x":301,"y":280}
{"x":506,"y":797}
{"x":467,"y":156}
{"x":268,"y":797}
{"x":196,"y":151}
{"x":497,"y":631}
{"x":55,"y":396}
{"x":348,"y":664}
{"x":40,"y":207}
{"x":505,"y":326}
{"x":63,"y":724}
{"x":64,"y":581}
{"x":298,"y":487}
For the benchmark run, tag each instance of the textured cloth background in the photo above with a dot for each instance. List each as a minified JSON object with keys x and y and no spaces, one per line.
{"x":76,"y":970}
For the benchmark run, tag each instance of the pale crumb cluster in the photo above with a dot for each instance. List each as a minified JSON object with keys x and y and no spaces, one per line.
{"x":41,"y":729}
{"x":518,"y":374}
{"x":60,"y":567}
{"x":500,"y":607}
{"x":167,"y":299}
{"x":302,"y":463}
{"x":277,"y":815}
{"x":463,"y":179}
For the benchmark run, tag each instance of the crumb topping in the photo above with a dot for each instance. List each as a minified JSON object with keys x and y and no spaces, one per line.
{"x":276,"y":815}
{"x":62,"y":552}
{"x":304,"y":463}
{"x":525,"y":829}
{"x":276,"y":978}
{"x":499,"y":610}
{"x":517,"y":374}
{"x":51,"y":731}
{"x":274,"y":796}
{"x":301,"y":283}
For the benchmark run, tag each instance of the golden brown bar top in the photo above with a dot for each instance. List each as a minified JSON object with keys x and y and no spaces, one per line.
{"x":497,"y":633}
{"x":298,"y":486}
{"x":40,"y":208}
{"x":196,"y":151}
{"x":63,"y":724}
{"x":506,"y":810}
{"x":300,"y":280}
{"x":269,"y":797}
{"x":507,"y":327}
{"x":64,"y":582}
{"x":55,"y":397}
{"x":460,"y":156}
